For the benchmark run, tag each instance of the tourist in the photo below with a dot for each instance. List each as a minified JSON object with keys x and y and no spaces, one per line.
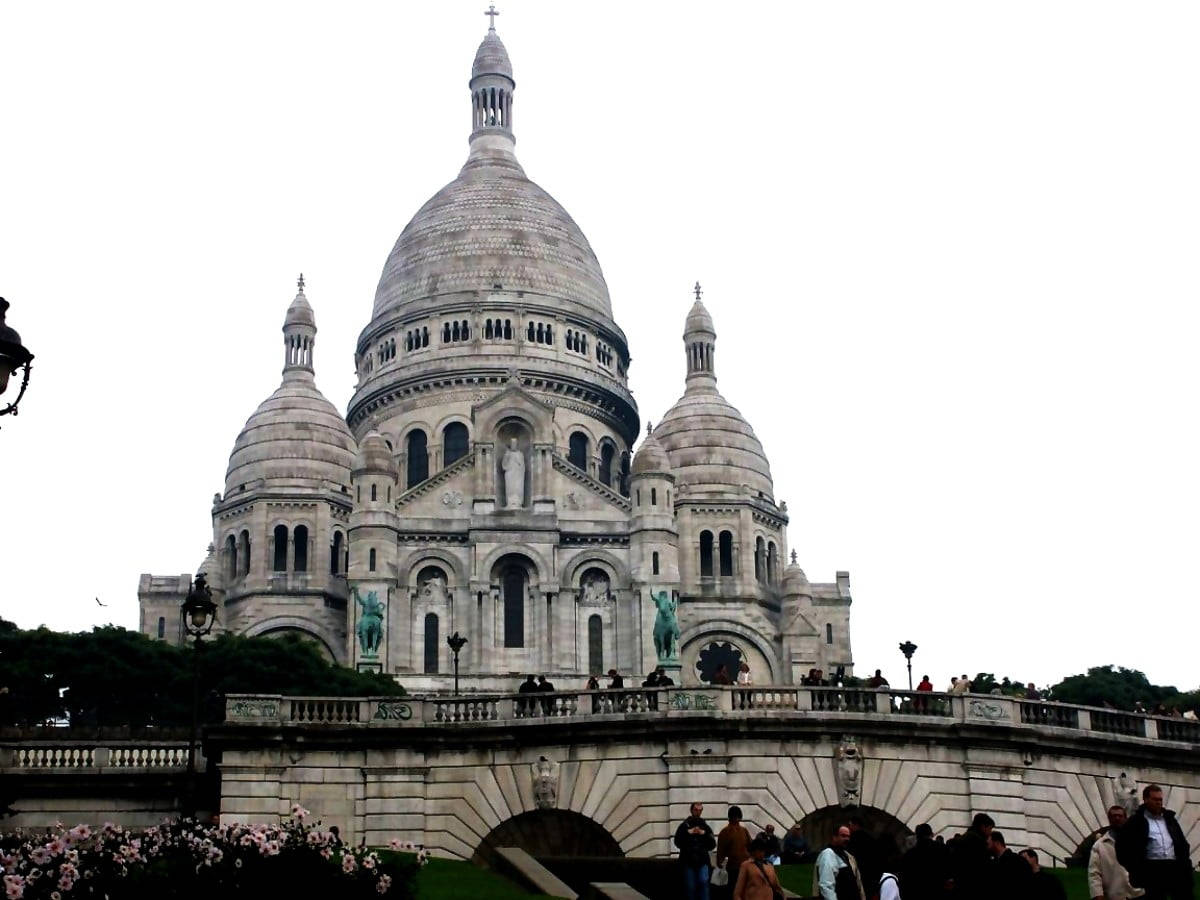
{"x":889,"y":887}
{"x":1044,"y":885}
{"x":722,"y":675}
{"x":1154,"y":849}
{"x":961,"y":685}
{"x":795,"y":846}
{"x":969,"y":858}
{"x":617,"y":681}
{"x":1032,"y":693}
{"x":835,"y":876}
{"x":865,"y":850}
{"x":877,"y":681}
{"x":743,"y":675}
{"x":651,"y":695}
{"x":926,"y":686}
{"x":1107,"y":878}
{"x":733,"y":845}
{"x":924,"y":868}
{"x":545,"y":687}
{"x":694,"y":839}
{"x":527,"y":705}
{"x":593,"y":684}
{"x":757,"y":879}
{"x":921,"y":704}
{"x":664,"y":680}
{"x":774,"y":848}
{"x":1009,"y":877}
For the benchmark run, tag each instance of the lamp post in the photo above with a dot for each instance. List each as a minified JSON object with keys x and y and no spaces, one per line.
{"x":456,"y":642}
{"x":13,"y":355}
{"x":908,"y":648}
{"x":199,"y":615}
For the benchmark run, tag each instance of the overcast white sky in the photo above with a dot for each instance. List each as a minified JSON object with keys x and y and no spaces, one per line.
{"x":950,"y":249}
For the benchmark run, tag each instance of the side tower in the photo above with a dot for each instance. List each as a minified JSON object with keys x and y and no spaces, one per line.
{"x":376,"y":608}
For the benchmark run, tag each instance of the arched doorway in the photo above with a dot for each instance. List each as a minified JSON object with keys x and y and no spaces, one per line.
{"x":890,"y":834}
{"x":548,"y":832}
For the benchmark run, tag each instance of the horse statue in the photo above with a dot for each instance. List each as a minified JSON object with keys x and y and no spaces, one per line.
{"x":370,"y":623}
{"x":666,"y":626}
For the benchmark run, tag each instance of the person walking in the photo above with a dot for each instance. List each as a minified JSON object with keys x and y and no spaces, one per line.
{"x":924,"y":869}
{"x":1044,"y":886}
{"x":1009,"y":876}
{"x":835,"y":876}
{"x":733,"y":845}
{"x":1107,"y":878}
{"x":694,"y":839}
{"x":1153,"y":847}
{"x":756,"y":878}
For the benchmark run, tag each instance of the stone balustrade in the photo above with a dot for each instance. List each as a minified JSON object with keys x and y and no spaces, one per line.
{"x":783,"y":700}
{"x":67,"y":756}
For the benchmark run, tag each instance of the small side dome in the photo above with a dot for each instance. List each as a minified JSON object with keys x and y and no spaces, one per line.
{"x":492,"y":58}
{"x":374,"y":456}
{"x":300,"y":313}
{"x":698,"y":320}
{"x":793,"y":575}
{"x":650,"y":458}
{"x":209,"y":567}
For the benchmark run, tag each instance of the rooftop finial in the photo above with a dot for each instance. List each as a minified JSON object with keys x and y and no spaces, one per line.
{"x":491,"y":14}
{"x":300,"y":282}
{"x":793,"y":557}
{"x":649,"y":428}
{"x":697,"y":290}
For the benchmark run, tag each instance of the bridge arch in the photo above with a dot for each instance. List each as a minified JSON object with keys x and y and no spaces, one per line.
{"x":548,"y":832}
{"x":890,"y":834}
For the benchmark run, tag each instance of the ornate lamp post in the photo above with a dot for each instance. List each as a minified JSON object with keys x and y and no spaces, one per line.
{"x":13,"y":356}
{"x":456,"y":643}
{"x":908,"y":648}
{"x":199,"y":615}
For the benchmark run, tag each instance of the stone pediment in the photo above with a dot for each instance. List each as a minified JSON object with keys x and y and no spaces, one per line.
{"x":799,"y":626}
{"x":513,"y":394}
{"x":592,"y":486}
{"x":453,"y":479}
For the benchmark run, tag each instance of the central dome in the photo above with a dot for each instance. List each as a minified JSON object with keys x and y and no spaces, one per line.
{"x":492,"y":226}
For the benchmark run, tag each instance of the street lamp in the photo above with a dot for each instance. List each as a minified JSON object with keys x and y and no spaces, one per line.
{"x":199,"y":615}
{"x":908,"y":648}
{"x":13,"y":356}
{"x":456,"y":643}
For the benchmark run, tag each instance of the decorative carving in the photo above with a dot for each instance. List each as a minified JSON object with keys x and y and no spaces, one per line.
{"x":848,"y":768}
{"x":986,"y":709}
{"x":452,"y":498}
{"x":572,"y":500}
{"x":545,"y":783}
{"x":513,"y":466}
{"x":254,"y":709}
{"x":692,"y":701}
{"x":594,"y":590}
{"x":393,"y":710}
{"x":370,"y":624}
{"x":433,"y":588}
{"x":1125,"y":792}
{"x":666,"y":626}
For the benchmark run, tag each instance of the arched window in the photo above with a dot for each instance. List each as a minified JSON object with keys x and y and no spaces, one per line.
{"x":607,"y":452}
{"x":454,"y":442}
{"x":487,"y":329}
{"x":530,"y":331}
{"x":654,"y":496}
{"x":446,"y":333}
{"x":508,"y":329}
{"x":726,"y":551}
{"x":244,"y":552}
{"x":577,"y":450}
{"x":513,"y":584}
{"x":772,"y":563}
{"x":374,"y":492}
{"x":300,"y":539}
{"x":418,"y":457}
{"x":828,"y":633}
{"x":371,"y":560}
{"x":638,"y":497}
{"x":335,"y":554}
{"x":760,"y":562}
{"x":279,"y":563}
{"x":431,"y":644}
{"x":654,"y":563}
{"x":162,"y":627}
{"x":595,"y":645}
{"x":231,"y":557}
{"x":706,"y":554}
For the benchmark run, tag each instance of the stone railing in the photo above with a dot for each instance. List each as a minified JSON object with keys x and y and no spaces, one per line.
{"x":76,"y":756}
{"x":730,"y":701}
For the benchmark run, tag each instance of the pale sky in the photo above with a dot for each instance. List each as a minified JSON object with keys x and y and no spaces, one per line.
{"x":950,"y":250}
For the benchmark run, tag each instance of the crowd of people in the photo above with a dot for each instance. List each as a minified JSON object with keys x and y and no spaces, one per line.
{"x":1143,"y":855}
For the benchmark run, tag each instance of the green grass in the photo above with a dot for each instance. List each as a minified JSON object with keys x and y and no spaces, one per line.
{"x":799,"y":880}
{"x":449,"y":879}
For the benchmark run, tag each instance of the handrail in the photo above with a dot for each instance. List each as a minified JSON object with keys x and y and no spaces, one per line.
{"x":91,"y":756}
{"x":733,"y":700}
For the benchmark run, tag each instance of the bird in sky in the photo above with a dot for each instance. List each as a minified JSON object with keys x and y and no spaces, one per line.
{"x":98,"y":603}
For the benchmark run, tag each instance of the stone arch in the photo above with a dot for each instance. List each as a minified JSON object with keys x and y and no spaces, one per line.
{"x":618,"y":573}
{"x":548,"y":832}
{"x":726,"y":630}
{"x":539,"y":562}
{"x":455,"y":573}
{"x":278,"y":625}
{"x":890,"y":833}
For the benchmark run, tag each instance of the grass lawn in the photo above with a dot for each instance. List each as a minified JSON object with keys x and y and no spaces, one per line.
{"x":799,"y":880}
{"x":449,"y":879}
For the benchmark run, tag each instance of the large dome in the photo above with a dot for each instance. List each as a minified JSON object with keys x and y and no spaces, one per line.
{"x":492,"y":226}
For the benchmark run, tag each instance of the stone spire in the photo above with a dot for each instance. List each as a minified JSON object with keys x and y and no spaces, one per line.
{"x":699,"y":337}
{"x":299,"y":335}
{"x":492,"y":88}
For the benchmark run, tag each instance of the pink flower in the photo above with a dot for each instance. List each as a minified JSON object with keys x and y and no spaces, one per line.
{"x":349,"y":863}
{"x":385,"y":883}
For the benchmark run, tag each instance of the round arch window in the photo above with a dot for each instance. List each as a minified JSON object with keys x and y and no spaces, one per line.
{"x":715,"y":655}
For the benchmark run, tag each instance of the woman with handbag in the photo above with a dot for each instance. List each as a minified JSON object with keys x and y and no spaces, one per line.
{"x":756,"y":878}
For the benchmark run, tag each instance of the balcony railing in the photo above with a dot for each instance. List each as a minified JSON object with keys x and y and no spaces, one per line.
{"x":737,"y":701}
{"x":74,"y":756}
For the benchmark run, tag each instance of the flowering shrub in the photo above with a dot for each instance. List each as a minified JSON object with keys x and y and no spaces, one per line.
{"x":183,"y":860}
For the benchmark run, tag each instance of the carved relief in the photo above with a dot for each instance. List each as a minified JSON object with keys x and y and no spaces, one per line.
{"x":986,"y":709}
{"x":452,"y":498}
{"x":1125,"y":792}
{"x":545,"y":783}
{"x":593,"y":591}
{"x":848,"y":768}
{"x":433,"y":586}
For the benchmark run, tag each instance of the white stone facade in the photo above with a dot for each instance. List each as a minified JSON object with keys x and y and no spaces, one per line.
{"x":499,"y":496}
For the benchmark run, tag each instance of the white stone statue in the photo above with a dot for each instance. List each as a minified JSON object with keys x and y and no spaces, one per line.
{"x":545,"y":783}
{"x":848,"y":767}
{"x":513,"y":466}
{"x":595,"y":591}
{"x":434,"y":589}
{"x":1125,"y":792}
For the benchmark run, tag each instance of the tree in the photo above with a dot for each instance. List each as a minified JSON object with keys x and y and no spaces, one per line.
{"x":1113,"y":684}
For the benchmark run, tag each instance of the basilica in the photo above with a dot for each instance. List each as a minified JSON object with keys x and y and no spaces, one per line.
{"x":488,"y":479}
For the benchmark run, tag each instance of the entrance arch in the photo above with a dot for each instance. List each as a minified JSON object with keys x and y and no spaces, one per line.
{"x":548,"y":832}
{"x":890,"y":834}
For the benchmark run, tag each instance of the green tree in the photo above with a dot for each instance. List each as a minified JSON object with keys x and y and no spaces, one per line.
{"x":1113,"y":684}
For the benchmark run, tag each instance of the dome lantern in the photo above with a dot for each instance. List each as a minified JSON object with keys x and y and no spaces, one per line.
{"x":699,"y":338}
{"x":299,"y":335}
{"x":492,"y":87}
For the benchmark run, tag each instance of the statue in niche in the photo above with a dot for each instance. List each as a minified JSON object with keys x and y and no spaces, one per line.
{"x":666,"y":626}
{"x":595,"y":591}
{"x":545,"y":783}
{"x":513,"y":466}
{"x":370,"y":623}
{"x":433,"y":589}
{"x":1125,"y":792}
{"x":848,"y":768}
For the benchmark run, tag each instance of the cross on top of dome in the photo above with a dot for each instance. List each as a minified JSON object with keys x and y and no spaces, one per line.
{"x":697,"y":290}
{"x":300,"y":283}
{"x":491,"y":14}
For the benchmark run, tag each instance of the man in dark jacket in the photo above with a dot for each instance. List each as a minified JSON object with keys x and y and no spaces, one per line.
{"x":969,"y":858}
{"x":1155,"y":850}
{"x":1010,"y":877}
{"x":527,"y":706}
{"x":924,"y":869}
{"x":695,"y":840}
{"x":1044,"y":886}
{"x":865,"y":850}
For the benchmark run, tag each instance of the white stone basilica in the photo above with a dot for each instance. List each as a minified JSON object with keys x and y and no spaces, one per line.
{"x":483,"y":480}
